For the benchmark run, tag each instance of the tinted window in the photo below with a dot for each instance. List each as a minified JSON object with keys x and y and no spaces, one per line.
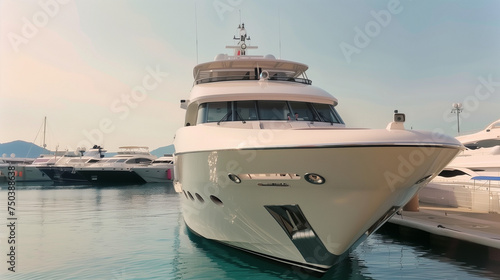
{"x":218,"y":111}
{"x":273,"y":110}
{"x":326,"y":113}
{"x":266,"y":110}
{"x":245,"y":110}
{"x":202,"y":113}
{"x":302,"y":112}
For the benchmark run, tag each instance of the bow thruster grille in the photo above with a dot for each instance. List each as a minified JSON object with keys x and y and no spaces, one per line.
{"x":300,"y":232}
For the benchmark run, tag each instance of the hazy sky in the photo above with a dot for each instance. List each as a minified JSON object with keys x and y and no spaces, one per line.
{"x":112,"y":72}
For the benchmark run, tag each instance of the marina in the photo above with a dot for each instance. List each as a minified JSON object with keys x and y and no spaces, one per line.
{"x":328,"y":151}
{"x":460,"y":240}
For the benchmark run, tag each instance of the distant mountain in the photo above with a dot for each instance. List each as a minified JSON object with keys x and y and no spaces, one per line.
{"x":163,"y":150}
{"x":21,"y":149}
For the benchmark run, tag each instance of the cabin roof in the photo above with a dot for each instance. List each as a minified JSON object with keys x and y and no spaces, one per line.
{"x":257,"y":90}
{"x":242,"y":63}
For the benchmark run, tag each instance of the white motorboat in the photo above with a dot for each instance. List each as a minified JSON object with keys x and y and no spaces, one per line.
{"x":26,"y":171}
{"x":30,"y":172}
{"x":471,"y":180}
{"x":488,"y":137}
{"x":159,"y":170}
{"x":119,"y":168}
{"x":265,"y":164}
{"x":63,"y":171}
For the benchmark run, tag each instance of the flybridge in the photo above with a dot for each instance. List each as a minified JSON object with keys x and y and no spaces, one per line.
{"x":265,"y":68}
{"x":242,"y":67}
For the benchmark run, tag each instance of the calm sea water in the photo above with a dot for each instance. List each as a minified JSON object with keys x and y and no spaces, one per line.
{"x":137,"y":232}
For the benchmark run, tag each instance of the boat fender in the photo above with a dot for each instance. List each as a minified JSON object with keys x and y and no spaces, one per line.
{"x":169,"y":174}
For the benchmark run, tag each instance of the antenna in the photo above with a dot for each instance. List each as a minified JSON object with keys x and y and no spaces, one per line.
{"x":44,"y":131}
{"x":241,"y":47}
{"x":196,"y":30}
{"x":279,"y":30}
{"x":457,"y":108}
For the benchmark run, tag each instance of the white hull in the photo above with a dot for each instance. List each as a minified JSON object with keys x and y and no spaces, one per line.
{"x":471,"y":180}
{"x":481,"y":195}
{"x":26,"y":173}
{"x":155,"y":174}
{"x":365,"y":184}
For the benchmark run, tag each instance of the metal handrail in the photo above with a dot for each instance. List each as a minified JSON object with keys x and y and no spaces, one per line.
{"x":246,"y":78}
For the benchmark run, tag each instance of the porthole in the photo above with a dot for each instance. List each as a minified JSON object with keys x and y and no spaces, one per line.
{"x":185,"y":193}
{"x":234,"y":178}
{"x":190,"y":196}
{"x":199,"y":197}
{"x":216,"y":200}
{"x":314,"y":178}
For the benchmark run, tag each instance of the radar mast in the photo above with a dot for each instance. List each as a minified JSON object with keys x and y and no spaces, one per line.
{"x":241,"y":46}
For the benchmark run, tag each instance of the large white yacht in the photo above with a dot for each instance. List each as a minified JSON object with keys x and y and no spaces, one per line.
{"x":265,"y":164}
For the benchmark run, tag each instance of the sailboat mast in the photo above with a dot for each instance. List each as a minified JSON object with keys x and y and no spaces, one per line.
{"x":44,"y":130}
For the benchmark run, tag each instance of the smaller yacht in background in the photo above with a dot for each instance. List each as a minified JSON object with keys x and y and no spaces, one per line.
{"x":119,"y":168}
{"x":26,"y":170}
{"x":488,"y":137}
{"x":30,"y":172}
{"x":472,"y":179}
{"x":64,"y":172}
{"x":159,"y":171}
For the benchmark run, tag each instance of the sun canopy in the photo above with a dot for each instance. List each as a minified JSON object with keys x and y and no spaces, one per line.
{"x":250,"y":63}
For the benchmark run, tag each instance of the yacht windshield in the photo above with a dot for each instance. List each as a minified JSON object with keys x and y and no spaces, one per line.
{"x":138,"y":160}
{"x":215,"y":111}
{"x":245,"y":110}
{"x":303,"y":111}
{"x":267,"y":110}
{"x":326,"y":113}
{"x":273,"y":110}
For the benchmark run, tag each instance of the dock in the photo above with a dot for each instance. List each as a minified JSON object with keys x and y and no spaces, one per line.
{"x":456,"y":230}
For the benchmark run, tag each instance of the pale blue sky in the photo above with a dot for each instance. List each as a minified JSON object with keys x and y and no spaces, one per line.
{"x":112,"y":72}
